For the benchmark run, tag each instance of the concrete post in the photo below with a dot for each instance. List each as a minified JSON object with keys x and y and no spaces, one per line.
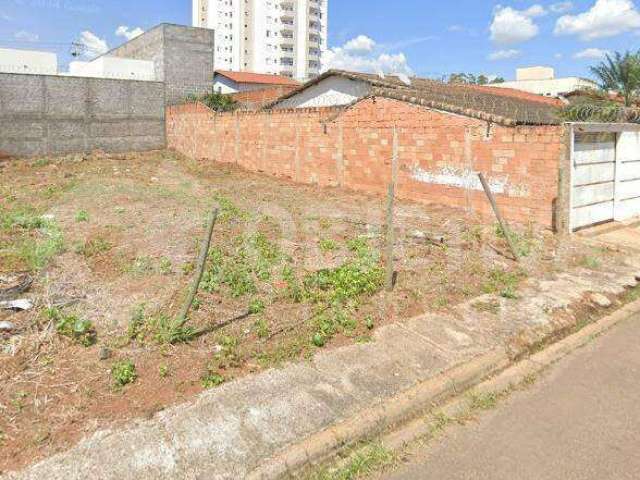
{"x":340,"y":154}
{"x":562,"y":203}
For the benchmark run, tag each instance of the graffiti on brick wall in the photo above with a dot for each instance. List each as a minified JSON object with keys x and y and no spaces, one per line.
{"x":468,"y":179}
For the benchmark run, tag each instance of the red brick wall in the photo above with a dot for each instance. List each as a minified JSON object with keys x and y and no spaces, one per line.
{"x":438,"y":152}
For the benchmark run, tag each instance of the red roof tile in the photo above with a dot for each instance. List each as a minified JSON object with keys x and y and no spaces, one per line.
{"x":262,"y":78}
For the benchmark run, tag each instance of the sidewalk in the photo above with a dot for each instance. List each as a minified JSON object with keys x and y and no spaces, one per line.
{"x":239,"y":429}
{"x":581,"y":421}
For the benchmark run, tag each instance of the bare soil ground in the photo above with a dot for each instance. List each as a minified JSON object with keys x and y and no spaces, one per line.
{"x":111,"y":241}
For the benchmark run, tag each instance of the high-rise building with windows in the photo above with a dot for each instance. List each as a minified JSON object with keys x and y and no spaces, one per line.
{"x":283,"y":37}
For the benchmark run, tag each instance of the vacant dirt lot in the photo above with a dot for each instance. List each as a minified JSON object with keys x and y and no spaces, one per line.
{"x":111,"y":242}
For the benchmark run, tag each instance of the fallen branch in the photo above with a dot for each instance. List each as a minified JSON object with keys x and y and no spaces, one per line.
{"x":202,"y":261}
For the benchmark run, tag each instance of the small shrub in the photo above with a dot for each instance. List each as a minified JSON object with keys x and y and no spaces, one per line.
{"x":483,"y":401}
{"x":94,"y":247}
{"x":369,"y":323}
{"x":141,"y":266}
{"x":215,"y":101}
{"x":166,"y":267}
{"x":123,"y":373}
{"x":212,"y":380}
{"x":256,"y":306}
{"x":327,"y":245}
{"x":188,"y":268}
{"x":163,"y":371}
{"x":82,"y":216}
{"x":168,"y":330}
{"x":135,"y":330}
{"x":262,"y":328}
{"x":319,"y":340}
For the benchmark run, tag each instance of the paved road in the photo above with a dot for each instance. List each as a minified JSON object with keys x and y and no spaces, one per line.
{"x":581,"y":420}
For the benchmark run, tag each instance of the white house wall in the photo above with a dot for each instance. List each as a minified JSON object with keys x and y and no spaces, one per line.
{"x":332,"y":91}
{"x":28,"y":61}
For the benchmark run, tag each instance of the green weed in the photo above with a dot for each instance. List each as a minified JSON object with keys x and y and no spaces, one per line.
{"x":483,"y":401}
{"x":211,"y":380}
{"x":256,"y":306}
{"x":363,"y":461}
{"x":82,"y":216}
{"x":522,"y":244}
{"x":229,"y":210}
{"x":94,"y":247}
{"x":503,"y":283}
{"x":80,"y":330}
{"x":123,"y":373}
{"x":167,"y":330}
{"x":327,"y":245}
{"x":166,"y":267}
{"x":491,"y":306}
{"x":141,"y":266}
{"x":261,"y":328}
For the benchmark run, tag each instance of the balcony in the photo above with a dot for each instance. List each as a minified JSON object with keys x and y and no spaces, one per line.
{"x":314,"y":41}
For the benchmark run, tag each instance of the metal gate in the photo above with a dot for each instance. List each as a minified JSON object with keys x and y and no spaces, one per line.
{"x":605,"y":178}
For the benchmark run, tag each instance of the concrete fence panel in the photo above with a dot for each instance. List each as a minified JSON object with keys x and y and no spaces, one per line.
{"x":48,"y":115}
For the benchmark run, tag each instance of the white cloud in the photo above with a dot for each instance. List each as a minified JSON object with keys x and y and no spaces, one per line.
{"x":606,"y":18}
{"x":591,"y":53}
{"x":561,"y":7}
{"x":361,"y":55}
{"x":511,"y":26}
{"x":25,"y":36}
{"x":504,"y":55}
{"x":5,"y":17}
{"x":124,"y":31}
{"x":558,"y":56}
{"x":93,"y":45}
{"x":360,"y":44}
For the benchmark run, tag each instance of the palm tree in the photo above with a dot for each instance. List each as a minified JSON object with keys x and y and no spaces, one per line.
{"x":620,"y":73}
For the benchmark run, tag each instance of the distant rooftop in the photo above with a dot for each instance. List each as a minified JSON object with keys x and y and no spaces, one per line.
{"x":260,"y":78}
{"x":504,"y":106}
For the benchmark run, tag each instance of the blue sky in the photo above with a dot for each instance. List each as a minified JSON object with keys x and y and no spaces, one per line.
{"x":424,"y":37}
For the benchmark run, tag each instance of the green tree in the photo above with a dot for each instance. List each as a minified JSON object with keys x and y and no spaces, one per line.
{"x":621,"y":73}
{"x":471,"y":79}
{"x":215,"y":101}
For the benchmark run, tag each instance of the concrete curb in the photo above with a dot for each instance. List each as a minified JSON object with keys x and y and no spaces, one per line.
{"x":494,"y":371}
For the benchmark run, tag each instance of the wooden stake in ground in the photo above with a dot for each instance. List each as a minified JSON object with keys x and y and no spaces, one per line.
{"x":496,"y":210}
{"x":202,"y":261}
{"x":389,"y":270}
{"x":390,"y":221}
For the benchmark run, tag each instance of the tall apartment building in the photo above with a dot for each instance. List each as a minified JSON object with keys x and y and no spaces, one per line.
{"x":283,"y":37}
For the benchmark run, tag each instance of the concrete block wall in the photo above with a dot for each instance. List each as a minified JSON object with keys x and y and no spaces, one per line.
{"x":183,"y":58}
{"x":48,"y":115}
{"x":438,"y":155}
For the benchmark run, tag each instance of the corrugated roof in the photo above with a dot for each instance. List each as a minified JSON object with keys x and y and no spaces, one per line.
{"x":504,"y":106}
{"x":262,"y":78}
